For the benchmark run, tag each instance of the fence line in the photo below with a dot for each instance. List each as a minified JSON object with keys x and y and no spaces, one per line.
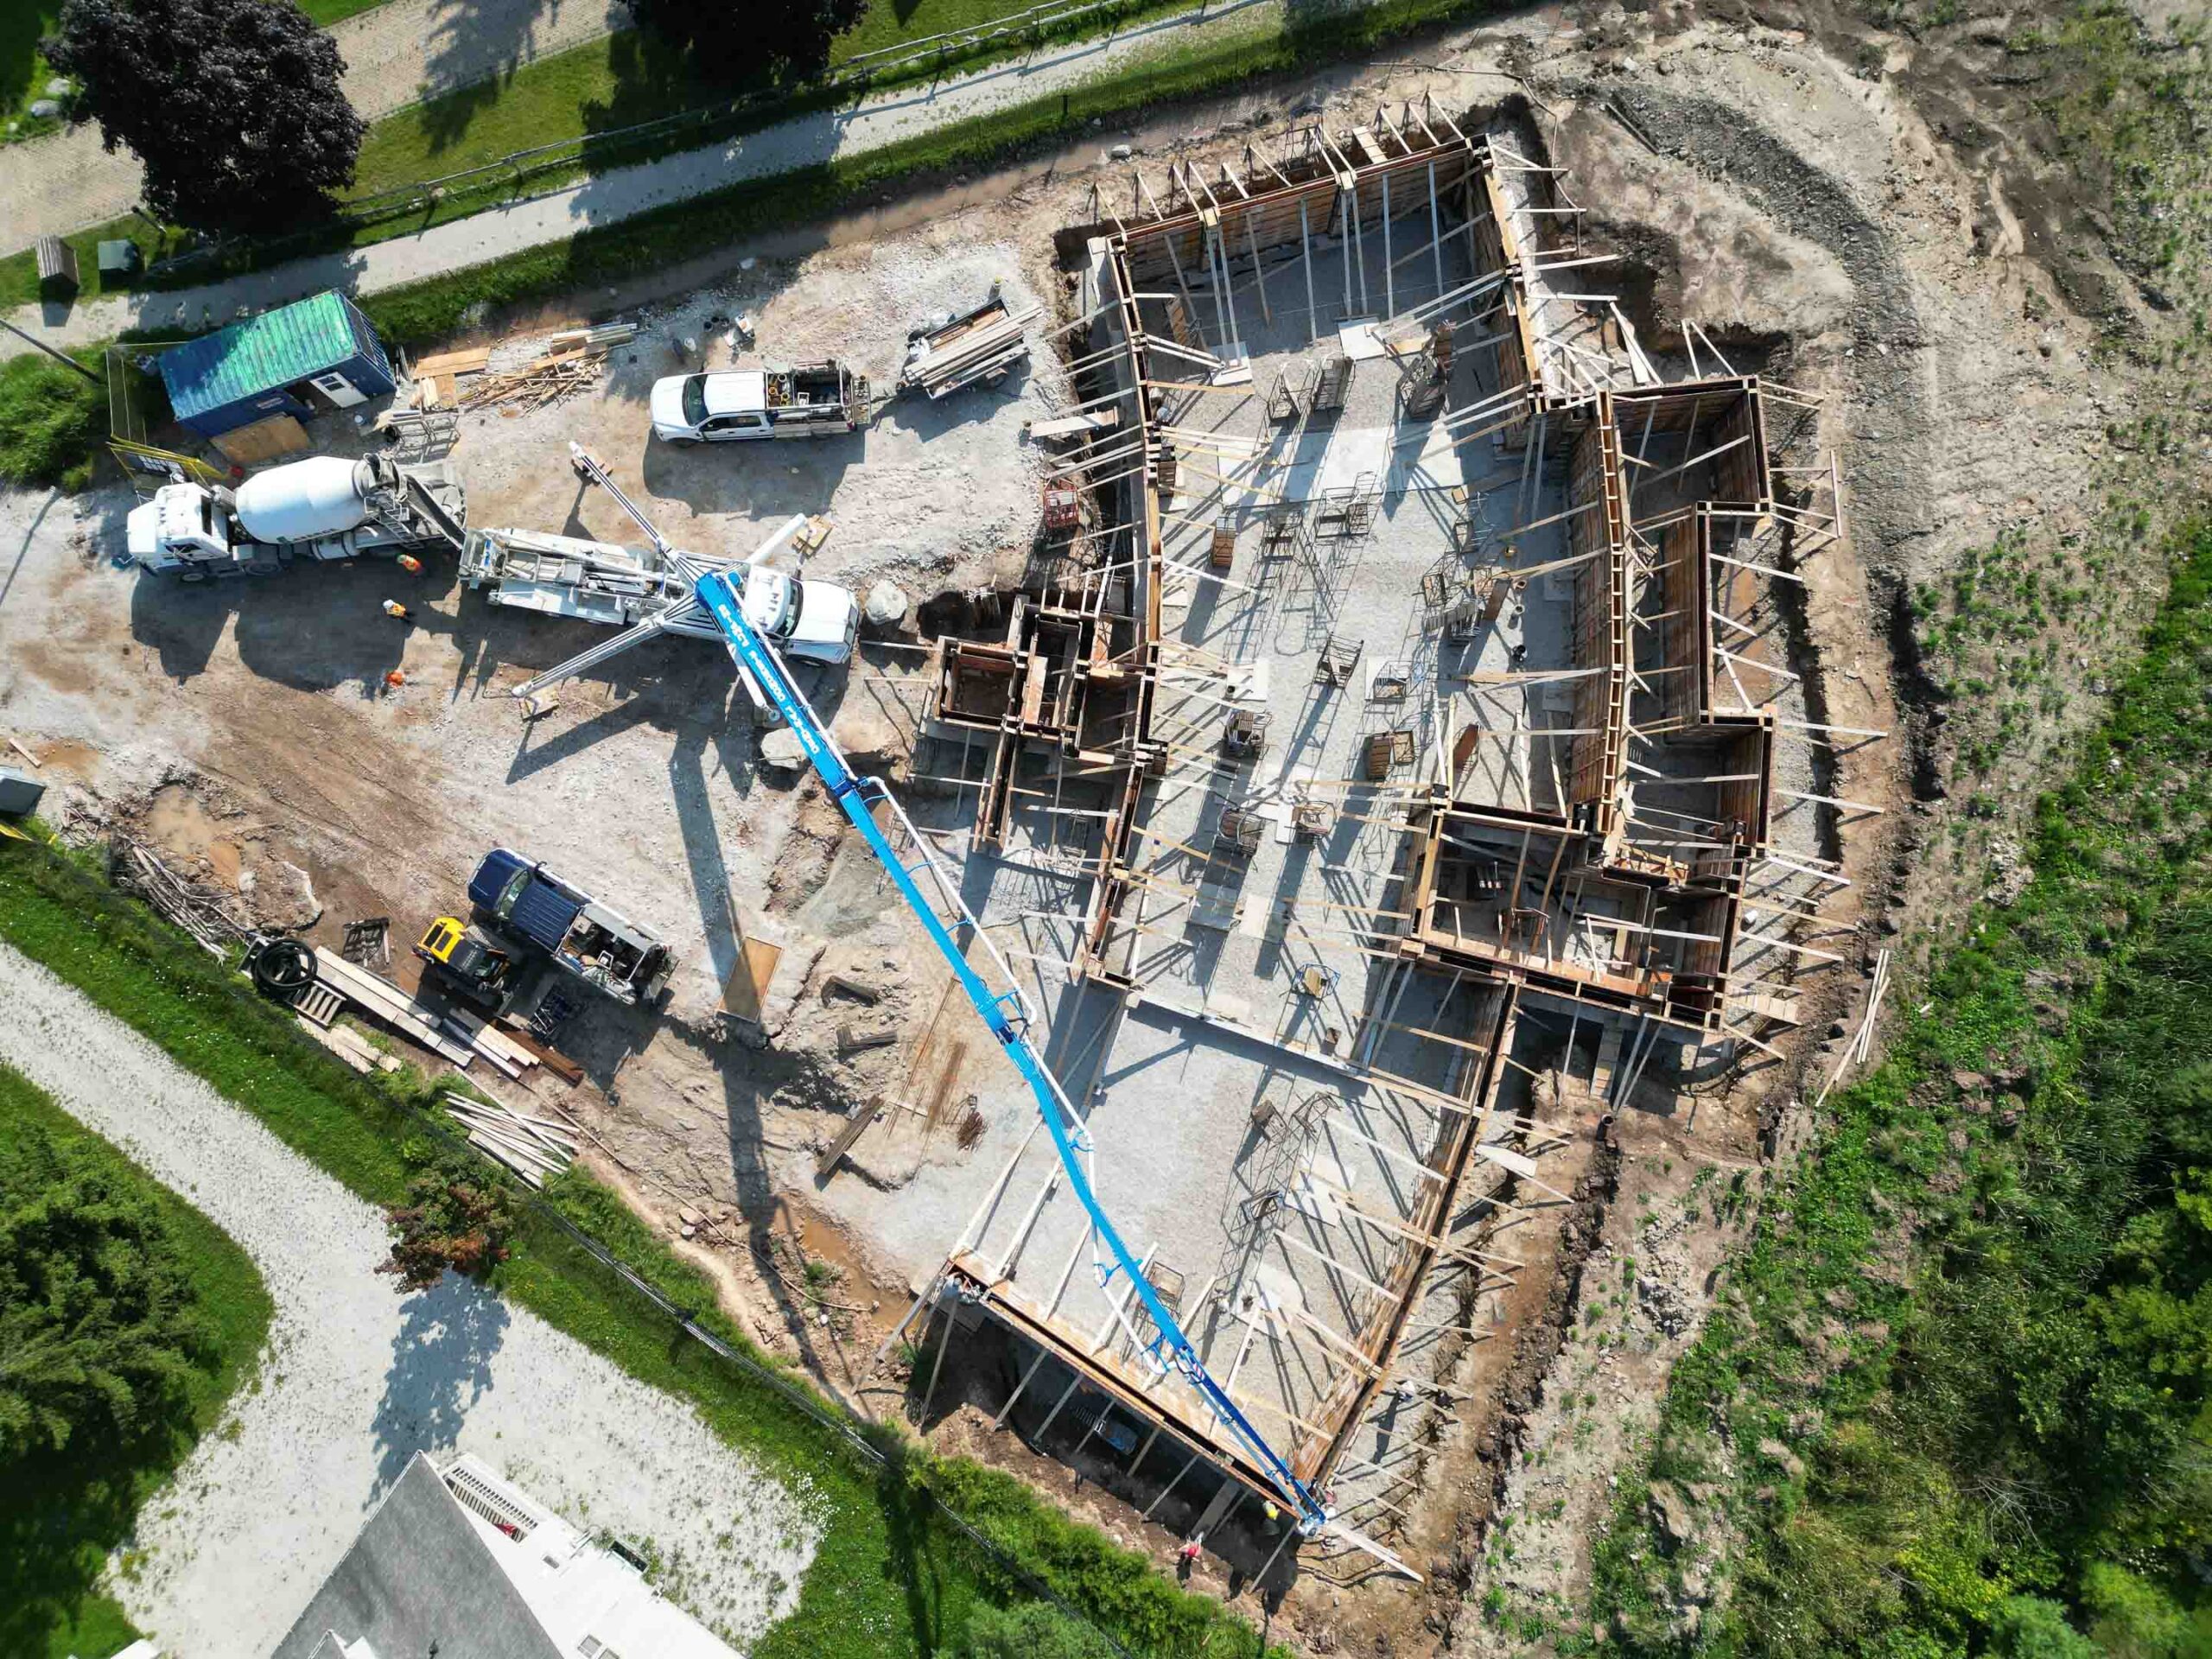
{"x":515,"y":168}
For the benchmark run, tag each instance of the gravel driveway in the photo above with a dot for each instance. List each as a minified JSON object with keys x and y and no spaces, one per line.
{"x":358,"y":1379}
{"x":394,"y":56}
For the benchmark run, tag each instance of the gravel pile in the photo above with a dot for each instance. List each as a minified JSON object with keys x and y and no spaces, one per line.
{"x":357,"y":1379}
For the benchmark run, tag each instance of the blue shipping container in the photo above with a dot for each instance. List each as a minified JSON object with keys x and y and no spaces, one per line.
{"x":267,"y":365}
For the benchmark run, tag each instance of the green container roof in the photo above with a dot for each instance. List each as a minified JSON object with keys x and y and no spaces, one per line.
{"x":278,"y":348}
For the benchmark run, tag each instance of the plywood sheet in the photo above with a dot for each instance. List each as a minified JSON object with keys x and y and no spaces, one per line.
{"x":745,"y":991}
{"x":266,"y":440}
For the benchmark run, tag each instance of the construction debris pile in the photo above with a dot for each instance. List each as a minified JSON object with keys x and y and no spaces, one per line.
{"x":561,"y":364}
{"x":133,"y":867}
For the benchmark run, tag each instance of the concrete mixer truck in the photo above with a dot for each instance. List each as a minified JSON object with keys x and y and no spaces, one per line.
{"x":324,"y":507}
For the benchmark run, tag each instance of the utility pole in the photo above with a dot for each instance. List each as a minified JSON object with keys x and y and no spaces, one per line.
{"x":59,"y":357}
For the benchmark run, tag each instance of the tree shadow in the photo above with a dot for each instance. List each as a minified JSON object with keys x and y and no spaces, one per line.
{"x":440,"y":1366}
{"x":911,"y":1531}
{"x":64,"y":1512}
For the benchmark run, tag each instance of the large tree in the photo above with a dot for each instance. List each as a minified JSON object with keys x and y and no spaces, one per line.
{"x":99,"y":1325}
{"x":733,"y":44}
{"x":232,"y":105}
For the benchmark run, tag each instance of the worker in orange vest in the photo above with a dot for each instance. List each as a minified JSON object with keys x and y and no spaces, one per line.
{"x":392,"y":607}
{"x":411,"y":564}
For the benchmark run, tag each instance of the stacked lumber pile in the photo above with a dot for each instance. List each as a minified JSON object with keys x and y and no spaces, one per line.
{"x":379,"y":997}
{"x":982,"y":345}
{"x":500,"y":1050}
{"x":350,"y":1046}
{"x":437,"y":378}
{"x":532,"y":1147}
{"x":565,"y":362}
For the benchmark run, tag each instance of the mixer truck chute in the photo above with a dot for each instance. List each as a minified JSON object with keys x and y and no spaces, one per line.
{"x":323,"y":507}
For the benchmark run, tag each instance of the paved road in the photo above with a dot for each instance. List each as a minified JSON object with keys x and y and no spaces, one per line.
{"x":616,"y":195}
{"x":357,"y":1379}
{"x":394,"y":56}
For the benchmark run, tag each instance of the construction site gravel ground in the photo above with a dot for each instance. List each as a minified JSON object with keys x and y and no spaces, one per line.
{"x":1795,"y":186}
{"x":356,"y":1380}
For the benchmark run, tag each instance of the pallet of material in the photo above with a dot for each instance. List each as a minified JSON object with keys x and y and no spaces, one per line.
{"x":451,"y":363}
{"x":535,"y":384}
{"x":1071,"y":426}
{"x":385,"y":1001}
{"x":606,"y":335}
{"x":506,"y":1056}
{"x":982,"y":345}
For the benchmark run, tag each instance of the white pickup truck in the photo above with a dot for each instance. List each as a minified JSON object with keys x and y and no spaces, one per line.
{"x":814,"y":400}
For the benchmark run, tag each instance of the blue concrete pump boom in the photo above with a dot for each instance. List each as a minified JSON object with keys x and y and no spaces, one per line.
{"x":1002,"y":1011}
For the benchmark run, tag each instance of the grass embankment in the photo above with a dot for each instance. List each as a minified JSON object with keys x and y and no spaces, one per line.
{"x":702,"y":224}
{"x":51,"y":421}
{"x":892,"y":1575}
{"x":1958,"y":1394}
{"x":428,"y":311}
{"x":589,"y":92}
{"x":63,"y":1512}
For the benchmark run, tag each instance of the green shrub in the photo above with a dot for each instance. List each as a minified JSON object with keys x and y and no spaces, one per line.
{"x":2135,"y":1619}
{"x":127,"y":1320}
{"x":51,"y":423}
{"x":96,"y":1313}
{"x":2034,"y":1627}
{"x":1036,"y":1631}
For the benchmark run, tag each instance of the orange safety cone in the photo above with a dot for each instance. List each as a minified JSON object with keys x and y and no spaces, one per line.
{"x":411,"y":564}
{"x":393,"y":608}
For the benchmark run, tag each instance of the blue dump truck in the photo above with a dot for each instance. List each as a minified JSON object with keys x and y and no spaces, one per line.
{"x":526,"y":905}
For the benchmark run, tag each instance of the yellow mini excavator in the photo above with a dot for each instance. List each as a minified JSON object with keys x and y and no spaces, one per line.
{"x":465,"y":962}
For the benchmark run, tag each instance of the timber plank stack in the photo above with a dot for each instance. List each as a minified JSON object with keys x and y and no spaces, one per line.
{"x":987,"y":342}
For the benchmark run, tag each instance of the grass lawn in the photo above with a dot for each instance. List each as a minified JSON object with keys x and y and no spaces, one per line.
{"x":58,"y":1520}
{"x":617,"y":80}
{"x":893,"y":1576}
{"x":895,"y":22}
{"x":622,"y":81}
{"x":327,"y":12}
{"x":23,"y":73}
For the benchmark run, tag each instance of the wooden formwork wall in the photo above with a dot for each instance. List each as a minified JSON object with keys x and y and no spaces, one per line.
{"x":1340,"y":1413}
{"x":1267,"y":220}
{"x":1597,"y":528}
{"x":1498,"y":248}
{"x":1748,"y":757}
{"x":1686,"y":636}
{"x":1741,"y":478}
{"x":1699,"y":988}
{"x":1106,"y":1373}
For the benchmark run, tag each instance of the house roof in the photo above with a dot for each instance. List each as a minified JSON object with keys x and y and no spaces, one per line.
{"x":276,"y":348}
{"x":420,"y":1578}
